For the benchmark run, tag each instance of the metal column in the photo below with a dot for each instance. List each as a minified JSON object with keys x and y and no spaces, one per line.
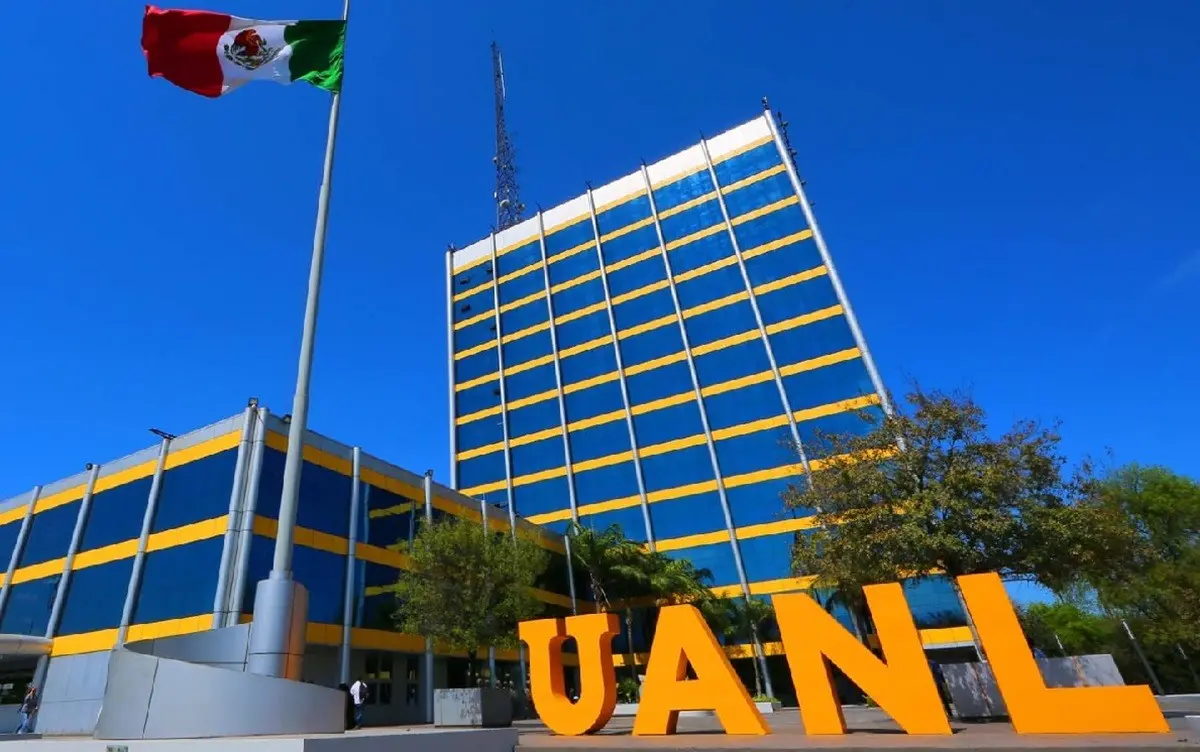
{"x":834,"y":279}
{"x":570,"y":574}
{"x":351,"y":560}
{"x":236,"y":500}
{"x":762,"y":329}
{"x":562,"y":399}
{"x":241,"y":570}
{"x":508,"y":471}
{"x":612,"y":325}
{"x":139,"y":559}
{"x":450,"y":359}
{"x":712,"y":446}
{"x":427,"y":486}
{"x":19,"y":547}
{"x":64,"y":582}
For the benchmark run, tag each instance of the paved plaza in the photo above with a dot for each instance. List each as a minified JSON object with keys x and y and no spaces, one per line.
{"x":869,"y":729}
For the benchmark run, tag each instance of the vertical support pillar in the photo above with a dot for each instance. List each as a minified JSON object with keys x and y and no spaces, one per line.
{"x":139,"y":559}
{"x":699,"y":390}
{"x":19,"y":547}
{"x":246,"y":521}
{"x":64,"y":582}
{"x":758,"y":319}
{"x":571,"y":575}
{"x":427,"y":679}
{"x":558,"y":383}
{"x":351,"y":561}
{"x":450,"y":360}
{"x":508,"y":471}
{"x":834,"y":279}
{"x":491,"y":652}
{"x":236,"y":500}
{"x":612,"y":325}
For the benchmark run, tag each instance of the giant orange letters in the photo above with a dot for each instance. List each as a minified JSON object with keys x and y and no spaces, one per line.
{"x":904,"y":687}
{"x":1034,"y":708}
{"x":681,"y":638}
{"x":593,"y":635}
{"x":813,"y":640}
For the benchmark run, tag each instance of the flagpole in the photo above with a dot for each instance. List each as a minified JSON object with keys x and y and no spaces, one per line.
{"x":277,"y":641}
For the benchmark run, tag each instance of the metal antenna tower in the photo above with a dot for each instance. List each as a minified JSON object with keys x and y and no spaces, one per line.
{"x":508,"y":200}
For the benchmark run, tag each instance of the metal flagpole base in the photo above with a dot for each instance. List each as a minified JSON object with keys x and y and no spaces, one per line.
{"x":277,"y":636}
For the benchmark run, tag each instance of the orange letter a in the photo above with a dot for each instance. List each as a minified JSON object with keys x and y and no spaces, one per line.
{"x":593,"y":635}
{"x":903,"y":687}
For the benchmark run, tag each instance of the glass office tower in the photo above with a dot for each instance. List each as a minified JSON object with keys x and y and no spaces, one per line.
{"x":657,"y":353}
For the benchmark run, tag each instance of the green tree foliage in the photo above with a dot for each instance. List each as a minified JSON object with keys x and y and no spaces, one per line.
{"x":931,"y":488}
{"x":743,"y":620}
{"x":1154,"y":581}
{"x":1081,"y":632}
{"x":469,"y":589}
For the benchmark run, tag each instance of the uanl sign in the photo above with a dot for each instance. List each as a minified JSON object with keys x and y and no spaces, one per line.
{"x":901,"y":683}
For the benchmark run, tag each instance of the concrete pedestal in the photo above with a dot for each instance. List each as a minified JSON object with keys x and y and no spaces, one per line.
{"x":277,"y":636}
{"x":477,"y":708}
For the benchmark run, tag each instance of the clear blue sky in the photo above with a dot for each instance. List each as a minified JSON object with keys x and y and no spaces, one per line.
{"x":1009,"y":189}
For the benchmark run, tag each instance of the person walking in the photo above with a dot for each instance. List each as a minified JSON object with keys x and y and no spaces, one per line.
{"x":29,"y":707}
{"x":359,"y":693}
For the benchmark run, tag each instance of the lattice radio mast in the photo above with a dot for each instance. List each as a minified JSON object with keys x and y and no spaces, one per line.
{"x":508,"y":199}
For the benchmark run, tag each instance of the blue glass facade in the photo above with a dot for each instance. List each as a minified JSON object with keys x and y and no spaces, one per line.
{"x":656,"y":354}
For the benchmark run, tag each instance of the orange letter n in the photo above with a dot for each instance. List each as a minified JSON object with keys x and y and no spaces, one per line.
{"x":1034,"y":708}
{"x":593,"y":635}
{"x":903,"y":687}
{"x":681,"y":638}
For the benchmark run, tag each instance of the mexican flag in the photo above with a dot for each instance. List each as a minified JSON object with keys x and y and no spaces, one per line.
{"x":213,"y":53}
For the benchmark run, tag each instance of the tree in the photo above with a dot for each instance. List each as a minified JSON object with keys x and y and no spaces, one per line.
{"x":469,"y":588}
{"x":610,"y":560}
{"x":1047,"y":625}
{"x":1153,"y":581}
{"x":931,"y":490}
{"x":746,"y":617}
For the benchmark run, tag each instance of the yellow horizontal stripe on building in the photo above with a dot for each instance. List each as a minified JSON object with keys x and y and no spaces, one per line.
{"x":383,"y":556}
{"x":791,"y":279}
{"x":575,"y":281}
{"x":846,"y":405}
{"x":678,"y":492}
{"x":644,"y":290}
{"x":579,"y":386}
{"x":586,"y":245}
{"x":605,"y":461}
{"x":637,"y":258}
{"x":392,"y":511}
{"x":932,"y":638}
{"x":840,"y":356}
{"x":319,"y":457}
{"x":14,"y":514}
{"x":742,"y":533}
{"x":583,"y":347}
{"x":725,"y":342}
{"x":488,"y":314}
{"x":528,"y":365}
{"x":487,"y":412}
{"x":484,"y":347}
{"x":663,"y":403}
{"x":770,"y":172}
{"x":782,"y":585}
{"x":554,"y":472}
{"x":530,"y":438}
{"x":467,"y":454}
{"x":523,"y":300}
{"x":596,"y":420}
{"x":391,"y":485}
{"x":40,"y":570}
{"x":106,"y":639}
{"x":648,"y":326}
{"x":527,"y":331}
{"x":477,"y":381}
{"x":659,"y":362}
{"x":674,"y":445}
{"x":713,"y":305}
{"x":382,"y":639}
{"x":304,"y":536}
{"x":461,"y":296}
{"x":634,"y":227}
{"x":486,"y":488}
{"x":175,"y":458}
{"x":774,"y":206}
{"x":738,"y":383}
{"x":532,"y":399}
{"x":716,"y":160}
{"x":754,"y":426}
{"x":693,"y":237}
{"x":114,"y":552}
{"x":580,"y":313}
{"x":692,"y":541}
{"x":689,"y":204}
{"x":808,"y":318}
{"x":520,"y":272}
{"x":621,"y":200}
{"x":775,"y":245}
{"x":708,"y":268}
{"x":545,"y":596}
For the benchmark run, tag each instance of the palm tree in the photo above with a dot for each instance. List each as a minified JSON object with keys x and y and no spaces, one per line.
{"x":746,"y":617}
{"x":854,"y":605}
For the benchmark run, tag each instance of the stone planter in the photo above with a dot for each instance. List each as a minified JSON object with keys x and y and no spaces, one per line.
{"x":768,"y":707}
{"x":477,"y":708}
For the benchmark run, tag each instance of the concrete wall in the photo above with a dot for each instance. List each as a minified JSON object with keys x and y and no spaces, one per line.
{"x":148,"y":697}
{"x":975,"y":693}
{"x":73,"y":693}
{"x":221,"y":648}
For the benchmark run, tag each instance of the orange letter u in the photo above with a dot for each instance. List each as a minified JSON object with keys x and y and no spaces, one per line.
{"x":593,"y":635}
